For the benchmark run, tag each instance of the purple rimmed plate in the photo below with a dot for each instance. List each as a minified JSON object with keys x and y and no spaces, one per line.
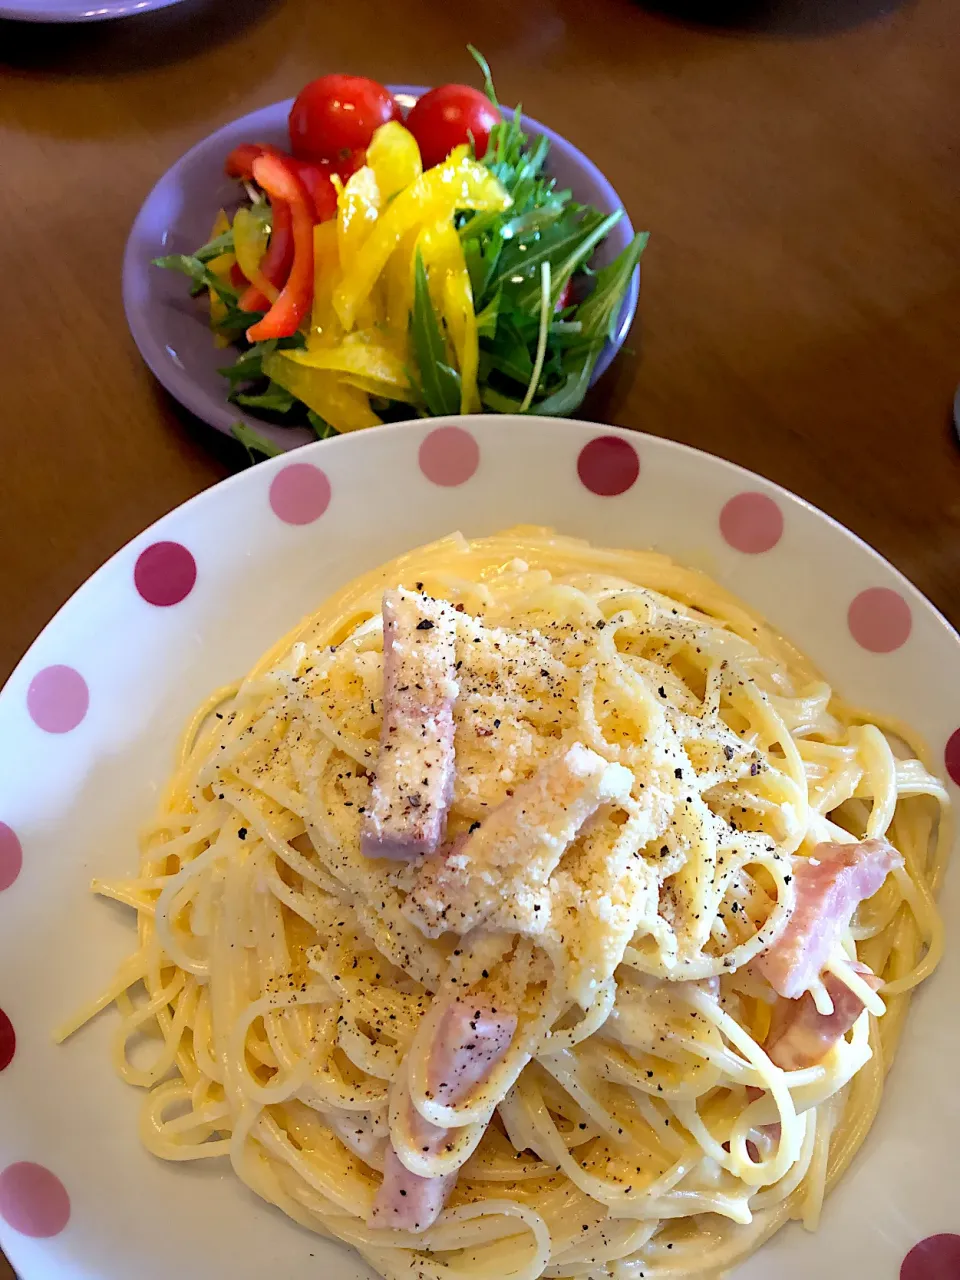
{"x":170,"y":328}
{"x":79,"y":10}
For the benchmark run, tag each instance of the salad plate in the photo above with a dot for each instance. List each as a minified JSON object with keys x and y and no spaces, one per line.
{"x":79,"y":10}
{"x":89,"y":724}
{"x":171,"y":329}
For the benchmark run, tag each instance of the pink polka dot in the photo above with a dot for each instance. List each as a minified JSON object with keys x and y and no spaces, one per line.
{"x":879,"y":619}
{"x":936,"y":1258}
{"x":608,"y":465}
{"x":951,"y":758}
{"x":165,"y":573}
{"x":57,"y":699}
{"x":33,"y":1200}
{"x":751,"y":522}
{"x":8,"y":1041}
{"x":449,"y":456}
{"x":11,"y":856}
{"x":300,"y":493}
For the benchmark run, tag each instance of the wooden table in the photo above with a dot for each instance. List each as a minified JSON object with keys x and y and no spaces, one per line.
{"x":801,"y":294}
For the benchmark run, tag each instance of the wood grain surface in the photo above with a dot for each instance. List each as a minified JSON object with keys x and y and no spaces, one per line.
{"x":797,"y":167}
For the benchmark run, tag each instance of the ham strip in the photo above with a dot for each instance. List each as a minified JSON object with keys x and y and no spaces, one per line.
{"x":406,"y":1201}
{"x":800,"y":1036}
{"x":829,"y":887}
{"x":470,"y":1040}
{"x":498,"y":873}
{"x":361,"y":1131}
{"x":413,"y":783}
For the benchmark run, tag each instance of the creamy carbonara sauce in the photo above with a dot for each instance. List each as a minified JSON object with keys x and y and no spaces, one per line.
{"x":533,"y":909}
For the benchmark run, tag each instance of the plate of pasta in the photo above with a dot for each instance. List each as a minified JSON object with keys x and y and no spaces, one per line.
{"x":518,"y":848}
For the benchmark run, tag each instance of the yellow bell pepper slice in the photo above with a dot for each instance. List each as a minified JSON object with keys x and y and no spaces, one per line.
{"x":398,"y":280}
{"x":250,"y":239}
{"x":361,"y":355}
{"x":452,"y":296}
{"x":459,"y":183}
{"x":325,"y":328}
{"x":385,"y":391}
{"x":221,"y":267}
{"x":439,"y":258}
{"x":394,"y":157}
{"x":221,"y":223}
{"x":346,"y":408}
{"x":358,"y":207}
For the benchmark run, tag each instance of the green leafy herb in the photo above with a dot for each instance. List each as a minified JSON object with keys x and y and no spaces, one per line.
{"x":481,"y":256}
{"x":223,"y":243}
{"x":321,"y":429}
{"x":508,"y":352}
{"x":546,"y":309}
{"x":599,"y":313}
{"x":254,"y":442}
{"x":234,"y":323}
{"x":248,"y":366}
{"x":200,"y":274}
{"x":597,"y":317}
{"x":275,"y":399}
{"x":487,"y":318}
{"x":580,"y":255}
{"x":439,"y":383}
{"x":214,"y":248}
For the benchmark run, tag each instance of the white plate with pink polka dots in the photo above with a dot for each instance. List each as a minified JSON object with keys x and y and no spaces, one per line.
{"x":89,"y":720}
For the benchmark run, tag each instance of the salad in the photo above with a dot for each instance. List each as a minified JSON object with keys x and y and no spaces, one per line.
{"x":387,"y":267}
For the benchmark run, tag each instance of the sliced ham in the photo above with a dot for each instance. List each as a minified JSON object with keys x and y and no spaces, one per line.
{"x":405,"y":1201}
{"x":801,"y":1037}
{"x":361,"y":1131}
{"x":470,"y":1040}
{"x":413,"y":782}
{"x":498,"y":873}
{"x":829,"y":887}
{"x":428,"y":1138}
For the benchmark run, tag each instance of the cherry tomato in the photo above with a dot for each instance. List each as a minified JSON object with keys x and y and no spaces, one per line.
{"x":566,"y":297}
{"x":335,"y":116}
{"x":448,"y":116}
{"x":347,"y":165}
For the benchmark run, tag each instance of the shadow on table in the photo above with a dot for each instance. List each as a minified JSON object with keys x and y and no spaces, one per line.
{"x":194,"y":433}
{"x":775,"y":17}
{"x":119,"y":46}
{"x":608,"y":400}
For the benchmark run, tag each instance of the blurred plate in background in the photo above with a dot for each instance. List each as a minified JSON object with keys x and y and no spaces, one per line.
{"x":79,"y":10}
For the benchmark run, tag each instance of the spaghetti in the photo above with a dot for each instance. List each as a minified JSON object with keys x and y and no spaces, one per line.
{"x":684,"y":779}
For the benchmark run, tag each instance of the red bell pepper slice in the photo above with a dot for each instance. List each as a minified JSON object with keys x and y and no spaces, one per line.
{"x":279,"y":256}
{"x":322,"y":192}
{"x":280,"y":181}
{"x":239,"y":163}
{"x":277,"y":261}
{"x":315,"y":177}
